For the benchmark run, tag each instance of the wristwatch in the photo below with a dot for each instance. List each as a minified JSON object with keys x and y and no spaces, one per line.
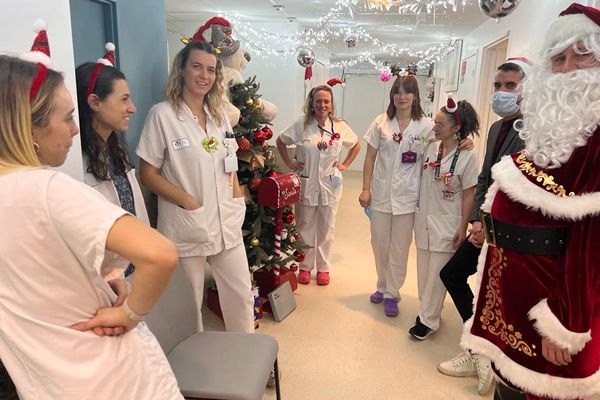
{"x":132,"y":314}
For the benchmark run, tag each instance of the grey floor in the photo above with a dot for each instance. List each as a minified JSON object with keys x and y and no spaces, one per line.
{"x":338,"y":345}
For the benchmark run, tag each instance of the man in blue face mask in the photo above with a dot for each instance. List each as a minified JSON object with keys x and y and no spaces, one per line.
{"x":503,"y":139}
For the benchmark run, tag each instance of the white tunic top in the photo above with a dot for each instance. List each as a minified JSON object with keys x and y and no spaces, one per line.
{"x":108,"y":190}
{"x":54,"y":232}
{"x":394,"y":184}
{"x":438,"y":218}
{"x":173,"y":143}
{"x":317,"y":177}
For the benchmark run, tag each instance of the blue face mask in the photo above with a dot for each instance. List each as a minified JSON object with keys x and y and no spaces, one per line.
{"x":505,"y":103}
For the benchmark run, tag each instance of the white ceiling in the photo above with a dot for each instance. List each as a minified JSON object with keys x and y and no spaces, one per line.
{"x":418,"y":32}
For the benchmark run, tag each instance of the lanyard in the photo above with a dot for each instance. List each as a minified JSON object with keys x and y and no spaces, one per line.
{"x":438,"y":163}
{"x":322,"y":145}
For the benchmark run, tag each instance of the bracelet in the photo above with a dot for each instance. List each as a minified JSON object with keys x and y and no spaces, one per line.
{"x":132,"y":314}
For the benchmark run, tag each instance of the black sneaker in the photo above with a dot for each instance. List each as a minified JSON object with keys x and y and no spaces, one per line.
{"x":420,"y":331}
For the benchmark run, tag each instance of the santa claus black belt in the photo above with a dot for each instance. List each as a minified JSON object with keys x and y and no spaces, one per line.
{"x":524,"y":239}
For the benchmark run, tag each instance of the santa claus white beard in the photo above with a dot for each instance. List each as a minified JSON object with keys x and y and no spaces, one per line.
{"x":561,"y":111}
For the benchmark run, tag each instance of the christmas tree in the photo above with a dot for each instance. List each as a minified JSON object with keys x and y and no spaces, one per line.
{"x":257,"y":161}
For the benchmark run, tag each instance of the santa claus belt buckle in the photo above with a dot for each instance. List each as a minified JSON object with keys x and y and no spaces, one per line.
{"x":488,"y":227}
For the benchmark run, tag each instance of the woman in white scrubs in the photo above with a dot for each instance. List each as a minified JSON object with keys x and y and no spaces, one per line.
{"x":449,"y":177}
{"x":105,"y":105}
{"x":319,"y":138}
{"x":188,"y":158}
{"x":391,"y":175}
{"x":59,"y":318}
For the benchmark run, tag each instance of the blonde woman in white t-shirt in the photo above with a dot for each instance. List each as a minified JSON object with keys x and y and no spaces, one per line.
{"x":60,"y":318}
{"x":188,"y":158}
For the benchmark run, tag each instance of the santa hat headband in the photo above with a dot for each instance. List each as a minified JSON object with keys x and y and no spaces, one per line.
{"x":107,"y":60}
{"x":204,"y":33}
{"x":39,"y":54}
{"x":336,"y":81}
{"x":574,"y":22}
{"x":452,"y":108}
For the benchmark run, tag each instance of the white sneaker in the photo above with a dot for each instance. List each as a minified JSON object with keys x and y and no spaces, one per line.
{"x":485,"y":374}
{"x":461,"y":365}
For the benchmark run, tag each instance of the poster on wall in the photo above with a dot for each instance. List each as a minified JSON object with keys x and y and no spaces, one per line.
{"x":453,"y":68}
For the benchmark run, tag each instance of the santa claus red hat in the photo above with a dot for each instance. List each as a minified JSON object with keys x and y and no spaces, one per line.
{"x":522,"y":62}
{"x":40,"y":50}
{"x":204,"y":34}
{"x":574,"y":22}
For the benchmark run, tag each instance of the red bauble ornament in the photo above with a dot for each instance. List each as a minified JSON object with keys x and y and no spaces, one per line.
{"x":244,"y":144}
{"x":293,"y":267}
{"x":241,"y":117}
{"x":272,"y":173}
{"x":299,"y":256}
{"x":268,"y":132}
{"x":297,"y":235}
{"x":258,"y":137}
{"x":288,"y":217}
{"x":253,"y":185}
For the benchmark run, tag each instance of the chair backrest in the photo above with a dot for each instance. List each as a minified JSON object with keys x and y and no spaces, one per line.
{"x":174,"y":317}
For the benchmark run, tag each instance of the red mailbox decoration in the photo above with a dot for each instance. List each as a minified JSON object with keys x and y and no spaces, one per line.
{"x":278,"y":191}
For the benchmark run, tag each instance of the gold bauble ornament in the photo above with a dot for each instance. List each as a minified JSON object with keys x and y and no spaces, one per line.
{"x":253,"y":165}
{"x":254,"y":242}
{"x":259,"y":106}
{"x":250,"y":101}
{"x":269,"y":155}
{"x":264,"y":147}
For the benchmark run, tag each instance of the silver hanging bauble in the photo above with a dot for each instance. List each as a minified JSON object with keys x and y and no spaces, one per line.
{"x":498,"y":8}
{"x":350,"y":40}
{"x":306,"y":57}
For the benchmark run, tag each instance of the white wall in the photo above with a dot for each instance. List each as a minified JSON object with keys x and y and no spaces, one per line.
{"x":16,"y":36}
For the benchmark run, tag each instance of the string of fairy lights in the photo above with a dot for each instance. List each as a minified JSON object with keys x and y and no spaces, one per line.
{"x":265,"y":44}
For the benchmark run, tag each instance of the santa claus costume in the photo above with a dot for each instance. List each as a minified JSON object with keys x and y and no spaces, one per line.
{"x":539,"y":274}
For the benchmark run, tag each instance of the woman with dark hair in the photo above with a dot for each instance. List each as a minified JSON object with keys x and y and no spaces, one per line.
{"x":391,"y":174}
{"x":448,"y":180}
{"x":105,"y":106}
{"x":188,"y":158}
{"x":319,"y":137}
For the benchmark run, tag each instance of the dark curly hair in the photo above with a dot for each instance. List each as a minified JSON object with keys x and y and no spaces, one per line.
{"x":91,"y":143}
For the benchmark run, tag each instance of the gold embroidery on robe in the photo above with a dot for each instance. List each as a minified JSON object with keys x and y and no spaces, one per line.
{"x":491,"y":318}
{"x":546,"y":180}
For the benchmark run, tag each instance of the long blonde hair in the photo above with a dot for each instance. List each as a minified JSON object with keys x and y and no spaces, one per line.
{"x":18,"y":115}
{"x":214,"y":100}
{"x":309,"y":112}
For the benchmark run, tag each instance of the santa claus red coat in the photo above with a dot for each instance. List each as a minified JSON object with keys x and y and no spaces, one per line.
{"x":524,"y":296}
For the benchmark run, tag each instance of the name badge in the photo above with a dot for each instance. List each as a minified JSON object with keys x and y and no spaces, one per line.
{"x":409,"y":157}
{"x":181,"y":144}
{"x":231,"y":163}
{"x":447,"y":195}
{"x":230,"y":143}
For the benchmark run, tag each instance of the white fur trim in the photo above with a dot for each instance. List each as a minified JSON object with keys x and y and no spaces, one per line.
{"x":550,"y":327}
{"x":490,"y":195}
{"x":515,"y":184}
{"x":105,"y":62}
{"x":569,"y":26}
{"x":37,"y":57}
{"x":109,"y":46}
{"x":531,"y":381}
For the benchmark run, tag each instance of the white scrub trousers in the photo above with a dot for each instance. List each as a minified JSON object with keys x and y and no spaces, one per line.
{"x":391,"y":236}
{"x":316,"y":225}
{"x":232,"y":276}
{"x":432,"y":291}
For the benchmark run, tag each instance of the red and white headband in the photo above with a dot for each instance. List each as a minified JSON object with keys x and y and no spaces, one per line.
{"x":452,"y":108}
{"x":39,"y":54}
{"x":107,"y":60}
